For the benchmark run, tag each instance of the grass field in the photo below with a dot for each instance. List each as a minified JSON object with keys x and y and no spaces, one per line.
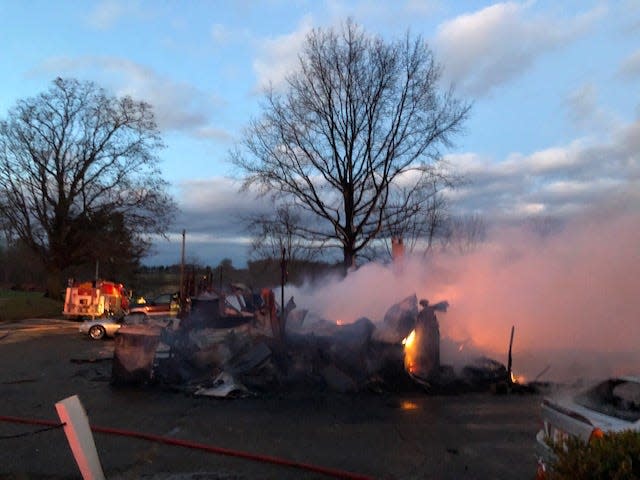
{"x":15,"y":305}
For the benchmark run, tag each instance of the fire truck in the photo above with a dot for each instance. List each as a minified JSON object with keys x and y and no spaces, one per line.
{"x":95,"y":300}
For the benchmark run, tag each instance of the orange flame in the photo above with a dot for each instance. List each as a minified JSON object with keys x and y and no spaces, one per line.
{"x":409,"y":351}
{"x":408,"y":341}
{"x":407,"y":405}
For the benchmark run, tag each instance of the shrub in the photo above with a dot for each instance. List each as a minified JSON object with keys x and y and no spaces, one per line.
{"x":615,"y":456}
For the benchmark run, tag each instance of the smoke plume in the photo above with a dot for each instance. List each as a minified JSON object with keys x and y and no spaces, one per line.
{"x":572,"y":295}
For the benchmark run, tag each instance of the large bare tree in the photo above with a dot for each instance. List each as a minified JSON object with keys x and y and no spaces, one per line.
{"x":357,"y":115}
{"x":79,"y":176}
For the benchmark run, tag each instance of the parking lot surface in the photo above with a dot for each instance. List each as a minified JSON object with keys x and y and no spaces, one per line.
{"x":371,"y":435}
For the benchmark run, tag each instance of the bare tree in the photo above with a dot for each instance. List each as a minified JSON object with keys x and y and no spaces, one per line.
{"x":417,"y":216}
{"x":271,"y":233}
{"x":77,"y":163}
{"x":543,"y":226}
{"x":357,"y":115}
{"x":464,"y":233}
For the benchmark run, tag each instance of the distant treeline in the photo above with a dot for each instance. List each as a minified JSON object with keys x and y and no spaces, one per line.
{"x":21,"y":270}
{"x":152,"y":280}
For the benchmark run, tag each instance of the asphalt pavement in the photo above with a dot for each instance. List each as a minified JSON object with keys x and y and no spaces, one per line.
{"x":273,"y":436}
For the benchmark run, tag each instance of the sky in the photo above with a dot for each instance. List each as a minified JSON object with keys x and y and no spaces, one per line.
{"x":553,"y":134}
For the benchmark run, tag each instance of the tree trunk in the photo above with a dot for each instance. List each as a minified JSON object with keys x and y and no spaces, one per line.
{"x":55,"y":284}
{"x":349,"y":258}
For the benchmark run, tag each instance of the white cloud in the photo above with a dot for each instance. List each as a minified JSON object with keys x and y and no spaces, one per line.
{"x":220,"y":33}
{"x":213,"y":133}
{"x":213,"y":211}
{"x":585,"y":112}
{"x":108,"y":12}
{"x":527,"y":209}
{"x":558,"y":181}
{"x":277,"y":57}
{"x":105,"y":15}
{"x":484,"y":49}
{"x":219,"y":192}
{"x":576,"y":192}
{"x":552,"y":160}
{"x":582,"y":102}
{"x":216,"y":205}
{"x":628,"y":14}
{"x":178,"y":106}
{"x":421,"y":7}
{"x":627,"y":153}
{"x":382,"y":16}
{"x":630,"y":67}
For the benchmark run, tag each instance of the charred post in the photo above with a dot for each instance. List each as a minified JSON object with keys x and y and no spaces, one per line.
{"x":509,"y":359}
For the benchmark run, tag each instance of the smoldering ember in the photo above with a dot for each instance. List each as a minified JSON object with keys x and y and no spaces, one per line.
{"x":237,"y":344}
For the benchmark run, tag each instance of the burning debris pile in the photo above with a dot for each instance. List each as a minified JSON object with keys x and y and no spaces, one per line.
{"x":236,"y":344}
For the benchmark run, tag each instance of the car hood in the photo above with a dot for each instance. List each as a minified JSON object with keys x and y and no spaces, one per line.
{"x":570,"y":406}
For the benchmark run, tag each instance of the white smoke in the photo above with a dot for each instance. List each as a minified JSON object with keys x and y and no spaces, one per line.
{"x":573,"y":297}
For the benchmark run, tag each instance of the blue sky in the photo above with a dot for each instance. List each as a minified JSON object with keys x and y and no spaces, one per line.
{"x":554,"y":130}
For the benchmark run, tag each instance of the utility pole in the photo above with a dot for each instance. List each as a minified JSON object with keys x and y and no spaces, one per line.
{"x":182,"y":292}
{"x":283,"y":281}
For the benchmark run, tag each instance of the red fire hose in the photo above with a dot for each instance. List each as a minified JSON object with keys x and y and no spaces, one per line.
{"x":200,"y":446}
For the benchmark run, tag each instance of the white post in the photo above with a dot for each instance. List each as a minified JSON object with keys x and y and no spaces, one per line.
{"x":80,"y":438}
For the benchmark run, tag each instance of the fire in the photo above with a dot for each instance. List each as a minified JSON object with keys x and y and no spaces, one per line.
{"x":409,"y":352}
{"x":339,"y":322}
{"x":408,"y":341}
{"x":408,"y":405}
{"x":517,"y":378}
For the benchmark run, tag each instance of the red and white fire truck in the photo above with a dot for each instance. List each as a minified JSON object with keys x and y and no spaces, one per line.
{"x":95,"y":299}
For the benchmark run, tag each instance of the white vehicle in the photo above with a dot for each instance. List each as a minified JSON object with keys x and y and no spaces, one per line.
{"x":100,"y":328}
{"x":609,"y":406}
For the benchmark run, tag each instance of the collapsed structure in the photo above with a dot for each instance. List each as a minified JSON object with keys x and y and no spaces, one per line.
{"x":239,"y":343}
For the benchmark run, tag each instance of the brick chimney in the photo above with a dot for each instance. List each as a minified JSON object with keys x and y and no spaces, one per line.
{"x":397,"y":250}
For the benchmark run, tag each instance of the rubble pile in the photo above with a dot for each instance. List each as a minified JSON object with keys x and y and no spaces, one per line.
{"x":236,"y":344}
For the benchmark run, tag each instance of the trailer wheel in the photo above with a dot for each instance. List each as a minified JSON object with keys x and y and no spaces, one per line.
{"x":97,"y":332}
